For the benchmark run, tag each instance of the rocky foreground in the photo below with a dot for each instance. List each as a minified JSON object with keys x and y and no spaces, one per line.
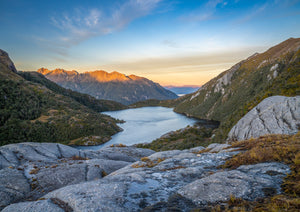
{"x":55,"y":177}
{"x":61,"y":178}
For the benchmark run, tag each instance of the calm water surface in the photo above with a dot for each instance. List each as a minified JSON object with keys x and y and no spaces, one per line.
{"x":145,"y":125}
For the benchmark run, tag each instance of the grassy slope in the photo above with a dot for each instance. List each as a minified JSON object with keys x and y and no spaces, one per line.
{"x":249,"y":86}
{"x":30,"y":112}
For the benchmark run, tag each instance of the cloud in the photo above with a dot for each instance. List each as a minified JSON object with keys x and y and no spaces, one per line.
{"x":205,"y":12}
{"x":183,"y":64}
{"x":83,"y":24}
{"x":257,"y":10}
{"x":170,"y":44}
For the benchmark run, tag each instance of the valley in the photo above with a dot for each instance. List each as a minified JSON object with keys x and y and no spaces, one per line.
{"x":250,"y":162}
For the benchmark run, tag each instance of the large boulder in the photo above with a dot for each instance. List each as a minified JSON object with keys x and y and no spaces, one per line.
{"x":247,"y":182}
{"x":274,"y":115}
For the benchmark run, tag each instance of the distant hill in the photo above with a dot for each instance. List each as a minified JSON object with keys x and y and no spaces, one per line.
{"x":233,"y":93}
{"x":34,"y":109}
{"x":85,"y":99}
{"x":110,"y":86}
{"x":182,"y":90}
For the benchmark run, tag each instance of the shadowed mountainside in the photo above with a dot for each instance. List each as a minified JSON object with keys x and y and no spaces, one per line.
{"x":30,"y":112}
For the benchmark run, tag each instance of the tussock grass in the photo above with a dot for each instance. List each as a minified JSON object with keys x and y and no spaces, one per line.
{"x":279,"y":148}
{"x":148,"y":163}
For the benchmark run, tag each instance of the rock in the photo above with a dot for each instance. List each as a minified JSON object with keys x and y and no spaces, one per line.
{"x":215,"y":147}
{"x":61,"y":175}
{"x":5,"y":60}
{"x":225,"y":79}
{"x":58,"y":176}
{"x":37,"y":206}
{"x":34,"y":169}
{"x":92,"y":196}
{"x":247,"y":182}
{"x":127,"y":153}
{"x":274,"y":115}
{"x":196,"y":149}
{"x":13,"y":186}
{"x":17,"y":154}
{"x":177,"y":180}
{"x":142,"y":183}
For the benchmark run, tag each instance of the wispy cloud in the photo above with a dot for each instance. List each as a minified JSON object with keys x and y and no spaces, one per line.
{"x":80,"y":25}
{"x":205,"y":12}
{"x":170,"y":44}
{"x":256,"y":11}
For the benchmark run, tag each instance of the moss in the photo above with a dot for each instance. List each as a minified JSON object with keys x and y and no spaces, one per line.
{"x":103,"y":173}
{"x":147,"y":163}
{"x":63,"y":205}
{"x":34,"y":171}
{"x":118,"y":145}
{"x":77,"y":157}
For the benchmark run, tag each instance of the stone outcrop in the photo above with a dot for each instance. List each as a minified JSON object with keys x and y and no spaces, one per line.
{"x":241,"y":183}
{"x":180,"y":180}
{"x":5,"y":60}
{"x":274,"y":115}
{"x":31,"y":170}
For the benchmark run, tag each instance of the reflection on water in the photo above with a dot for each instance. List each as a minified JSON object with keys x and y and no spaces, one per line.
{"x":145,"y":125}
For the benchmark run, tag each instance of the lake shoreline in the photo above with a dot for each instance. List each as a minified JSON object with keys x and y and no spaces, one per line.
{"x":146,"y":124}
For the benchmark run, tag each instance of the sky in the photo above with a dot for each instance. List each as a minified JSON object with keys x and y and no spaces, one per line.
{"x":172,"y":42}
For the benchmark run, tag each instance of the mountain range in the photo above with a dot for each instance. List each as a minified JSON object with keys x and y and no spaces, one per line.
{"x":110,"y":86}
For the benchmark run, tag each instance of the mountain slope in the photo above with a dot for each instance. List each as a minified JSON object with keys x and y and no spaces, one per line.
{"x":30,"y":112}
{"x":236,"y":91}
{"x":85,"y":99}
{"x":111,"y":86}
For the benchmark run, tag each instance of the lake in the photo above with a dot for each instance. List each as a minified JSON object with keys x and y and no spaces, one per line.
{"x":145,"y":125}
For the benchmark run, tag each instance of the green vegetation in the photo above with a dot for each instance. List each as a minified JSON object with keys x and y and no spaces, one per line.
{"x":249,"y":85}
{"x":90,"y":140}
{"x":87,"y":100}
{"x":30,"y":112}
{"x":181,"y":139}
